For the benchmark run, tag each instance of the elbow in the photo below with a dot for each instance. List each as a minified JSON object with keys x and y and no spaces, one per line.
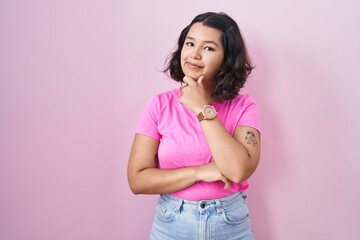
{"x":244,"y":172}
{"x":139,"y":187}
{"x":238,"y":179}
{"x":134,"y":186}
{"x":135,"y":189}
{"x":138,"y":184}
{"x":235,"y":177}
{"x":241,"y":176}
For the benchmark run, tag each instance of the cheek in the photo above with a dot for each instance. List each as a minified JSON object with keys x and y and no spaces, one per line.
{"x":214,"y":66}
{"x":218,"y":63}
{"x":182,"y":57}
{"x":182,"y":63}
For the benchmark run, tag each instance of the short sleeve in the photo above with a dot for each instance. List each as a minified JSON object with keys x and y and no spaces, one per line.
{"x":149,"y":120}
{"x":250,"y":115}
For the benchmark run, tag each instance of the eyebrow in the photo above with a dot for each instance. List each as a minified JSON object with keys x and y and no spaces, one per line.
{"x":212,"y":42}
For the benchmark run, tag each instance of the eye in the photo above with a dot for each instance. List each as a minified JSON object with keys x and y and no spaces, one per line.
{"x":209,"y":48}
{"x":190,"y":44}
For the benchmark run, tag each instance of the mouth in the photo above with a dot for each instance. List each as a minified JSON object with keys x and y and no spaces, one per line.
{"x":193,"y":65}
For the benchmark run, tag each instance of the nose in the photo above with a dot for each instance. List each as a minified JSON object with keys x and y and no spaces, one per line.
{"x":195,"y":54}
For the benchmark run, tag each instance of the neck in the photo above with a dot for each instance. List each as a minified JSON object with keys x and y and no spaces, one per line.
{"x":208,"y":91}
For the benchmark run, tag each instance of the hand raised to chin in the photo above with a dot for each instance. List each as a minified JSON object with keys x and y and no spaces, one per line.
{"x":193,"y":95}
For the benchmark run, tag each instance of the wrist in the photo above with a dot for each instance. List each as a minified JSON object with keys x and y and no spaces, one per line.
{"x":207,"y":112}
{"x":197,"y":173}
{"x":199,"y":107}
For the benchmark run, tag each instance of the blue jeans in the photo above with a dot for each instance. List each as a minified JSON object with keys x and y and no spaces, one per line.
{"x":225,"y":218}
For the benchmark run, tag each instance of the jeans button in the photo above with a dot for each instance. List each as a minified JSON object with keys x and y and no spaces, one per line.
{"x":202,"y":205}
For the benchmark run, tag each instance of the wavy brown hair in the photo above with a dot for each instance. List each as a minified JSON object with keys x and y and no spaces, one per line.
{"x":236,"y":65}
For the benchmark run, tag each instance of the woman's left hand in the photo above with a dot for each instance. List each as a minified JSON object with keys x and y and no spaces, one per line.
{"x":193,"y":95}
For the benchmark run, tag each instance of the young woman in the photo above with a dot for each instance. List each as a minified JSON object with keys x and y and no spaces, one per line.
{"x":197,"y":145}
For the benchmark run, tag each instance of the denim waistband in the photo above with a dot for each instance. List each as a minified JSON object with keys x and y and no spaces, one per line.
{"x":219,"y":204}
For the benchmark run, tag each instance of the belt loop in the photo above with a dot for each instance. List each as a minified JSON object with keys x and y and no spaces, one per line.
{"x":178,"y":205}
{"x":219,"y":207}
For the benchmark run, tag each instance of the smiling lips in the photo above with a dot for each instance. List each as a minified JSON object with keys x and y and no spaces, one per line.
{"x":193,"y":66}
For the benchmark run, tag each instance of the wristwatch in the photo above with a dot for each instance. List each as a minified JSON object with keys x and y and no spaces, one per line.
{"x":207,"y":113}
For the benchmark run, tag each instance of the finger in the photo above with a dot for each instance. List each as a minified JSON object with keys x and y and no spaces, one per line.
{"x":200,"y":81}
{"x":189,"y":80}
{"x":227,"y":183}
{"x":183,"y":84}
{"x":182,"y":88}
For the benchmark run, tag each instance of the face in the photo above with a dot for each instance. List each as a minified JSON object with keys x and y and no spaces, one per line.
{"x":202,"y":53}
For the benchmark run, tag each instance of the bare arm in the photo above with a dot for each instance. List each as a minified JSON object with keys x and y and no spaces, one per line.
{"x":235,"y":156}
{"x":145,"y":178}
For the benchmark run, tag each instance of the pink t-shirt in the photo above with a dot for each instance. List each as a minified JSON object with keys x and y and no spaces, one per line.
{"x":183,"y":143}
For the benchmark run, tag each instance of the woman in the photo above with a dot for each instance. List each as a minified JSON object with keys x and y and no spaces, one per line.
{"x":197,"y":145}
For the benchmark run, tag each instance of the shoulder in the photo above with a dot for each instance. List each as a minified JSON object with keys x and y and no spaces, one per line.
{"x":164,"y":99}
{"x":244,"y":98}
{"x":241,"y":101}
{"x":248,"y":111}
{"x":168,"y":95}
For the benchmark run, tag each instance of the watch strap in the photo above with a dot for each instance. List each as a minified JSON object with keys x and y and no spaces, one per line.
{"x":200,"y":116}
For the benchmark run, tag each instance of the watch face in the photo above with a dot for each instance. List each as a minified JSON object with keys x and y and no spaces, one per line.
{"x":209,"y":112}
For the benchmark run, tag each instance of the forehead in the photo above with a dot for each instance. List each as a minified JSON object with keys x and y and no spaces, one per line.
{"x":200,"y":32}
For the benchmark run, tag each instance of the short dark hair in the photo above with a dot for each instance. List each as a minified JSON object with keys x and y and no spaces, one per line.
{"x":236,"y":65}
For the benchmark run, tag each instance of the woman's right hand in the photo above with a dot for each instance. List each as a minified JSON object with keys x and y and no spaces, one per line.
{"x":209,"y":173}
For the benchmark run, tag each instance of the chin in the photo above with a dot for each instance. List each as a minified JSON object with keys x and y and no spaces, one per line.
{"x":194,"y":75}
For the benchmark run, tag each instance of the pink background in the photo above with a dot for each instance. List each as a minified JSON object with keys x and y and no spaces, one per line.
{"x":75,"y":76}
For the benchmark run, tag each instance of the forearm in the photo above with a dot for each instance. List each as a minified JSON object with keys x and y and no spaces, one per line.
{"x":159,"y":181}
{"x":231,"y":157}
{"x":145,"y":178}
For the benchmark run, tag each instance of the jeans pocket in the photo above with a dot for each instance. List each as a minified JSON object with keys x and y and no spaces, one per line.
{"x":236,"y":213}
{"x":164,"y":212}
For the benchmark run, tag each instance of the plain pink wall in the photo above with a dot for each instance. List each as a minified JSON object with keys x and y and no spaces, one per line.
{"x":75,"y":76}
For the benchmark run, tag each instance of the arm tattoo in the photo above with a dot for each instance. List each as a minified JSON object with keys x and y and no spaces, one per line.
{"x":251,"y":139}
